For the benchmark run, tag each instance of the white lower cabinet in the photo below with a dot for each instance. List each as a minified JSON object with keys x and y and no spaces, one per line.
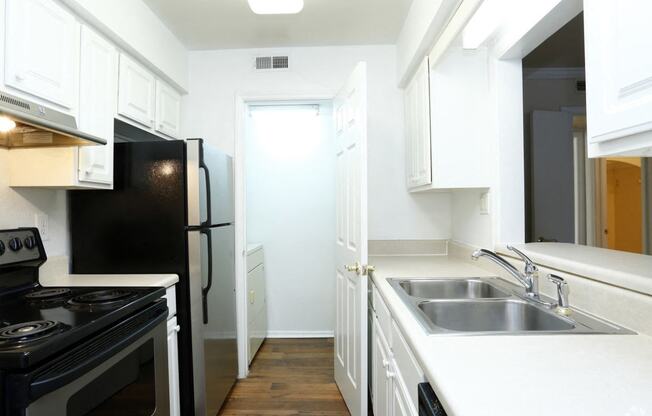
{"x":381,"y":372}
{"x":256,"y":299}
{"x":173,"y":366}
{"x":395,"y":372}
{"x":400,"y":403}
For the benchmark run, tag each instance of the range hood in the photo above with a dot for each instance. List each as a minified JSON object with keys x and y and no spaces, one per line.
{"x":24,"y":123}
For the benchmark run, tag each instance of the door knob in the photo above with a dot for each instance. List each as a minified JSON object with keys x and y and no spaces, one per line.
{"x":357,"y":268}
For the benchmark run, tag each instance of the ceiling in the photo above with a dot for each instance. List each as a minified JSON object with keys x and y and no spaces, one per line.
{"x":224,"y":24}
{"x":564,"y":49}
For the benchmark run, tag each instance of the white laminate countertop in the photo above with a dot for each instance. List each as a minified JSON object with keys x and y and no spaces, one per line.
{"x":520,"y":375}
{"x":619,"y":268}
{"x":110,"y":280}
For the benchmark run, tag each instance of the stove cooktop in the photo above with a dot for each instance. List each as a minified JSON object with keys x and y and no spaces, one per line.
{"x":38,"y":323}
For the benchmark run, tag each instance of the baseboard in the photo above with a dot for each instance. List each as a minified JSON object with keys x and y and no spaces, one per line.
{"x":300,"y":334}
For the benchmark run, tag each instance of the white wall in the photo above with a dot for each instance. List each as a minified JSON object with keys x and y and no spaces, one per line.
{"x":551,"y":94}
{"x":470,"y":225}
{"x":209,"y":112}
{"x":19,"y":207}
{"x":290,"y":182}
{"x":135,"y":28}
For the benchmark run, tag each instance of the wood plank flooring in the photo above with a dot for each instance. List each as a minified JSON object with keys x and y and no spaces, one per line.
{"x":289,"y":377}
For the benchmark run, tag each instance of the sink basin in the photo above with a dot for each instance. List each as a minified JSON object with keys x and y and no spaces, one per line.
{"x":492,"y":316}
{"x":452,"y":289}
{"x":489,"y":306}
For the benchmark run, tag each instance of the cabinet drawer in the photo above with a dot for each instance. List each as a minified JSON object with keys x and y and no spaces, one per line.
{"x":384,"y":317}
{"x":410,"y":371}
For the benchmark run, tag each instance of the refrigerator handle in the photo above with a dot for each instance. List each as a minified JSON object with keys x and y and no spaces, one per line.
{"x":205,"y":290}
{"x":207,"y":175}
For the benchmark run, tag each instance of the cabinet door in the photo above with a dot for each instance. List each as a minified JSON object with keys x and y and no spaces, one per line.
{"x":417,"y":123}
{"x":173,"y":366}
{"x":97,"y":100}
{"x":618,"y":39}
{"x":42,"y":48}
{"x":136,"y":92}
{"x":400,"y":402}
{"x":168,"y":109}
{"x":381,"y":376}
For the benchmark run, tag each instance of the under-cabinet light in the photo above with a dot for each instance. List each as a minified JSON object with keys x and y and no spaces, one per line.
{"x":6,"y":124}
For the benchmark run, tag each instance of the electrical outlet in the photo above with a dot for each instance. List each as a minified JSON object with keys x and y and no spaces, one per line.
{"x":41,"y":222}
{"x":484,"y":203}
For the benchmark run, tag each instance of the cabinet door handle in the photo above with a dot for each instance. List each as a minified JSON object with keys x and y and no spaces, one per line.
{"x":390,"y":374}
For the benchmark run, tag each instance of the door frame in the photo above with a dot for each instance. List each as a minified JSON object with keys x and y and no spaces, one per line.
{"x":242,"y":102}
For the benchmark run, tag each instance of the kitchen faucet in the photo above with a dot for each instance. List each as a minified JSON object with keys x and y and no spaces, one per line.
{"x":528,"y":278}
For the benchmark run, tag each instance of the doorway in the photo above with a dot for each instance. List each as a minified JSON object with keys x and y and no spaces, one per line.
{"x":570,"y":198}
{"x":289,"y":159}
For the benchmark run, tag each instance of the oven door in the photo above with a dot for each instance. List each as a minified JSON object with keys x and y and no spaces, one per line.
{"x":123,"y":371}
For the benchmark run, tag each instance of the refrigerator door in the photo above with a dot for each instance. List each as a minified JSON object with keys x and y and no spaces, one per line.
{"x":210,"y":185}
{"x":215,"y":355}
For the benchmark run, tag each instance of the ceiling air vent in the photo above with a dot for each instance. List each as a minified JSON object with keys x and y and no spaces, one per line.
{"x":272,"y":62}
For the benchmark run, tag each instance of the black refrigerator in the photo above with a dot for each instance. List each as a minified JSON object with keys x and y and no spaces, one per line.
{"x":171,"y":211}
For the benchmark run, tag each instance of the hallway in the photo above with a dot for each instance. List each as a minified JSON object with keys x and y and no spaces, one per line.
{"x":289,"y":377}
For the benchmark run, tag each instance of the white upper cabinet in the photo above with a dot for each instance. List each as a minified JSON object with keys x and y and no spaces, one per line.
{"x":168,"y":109}
{"x":42,"y":50}
{"x":618,"y":41}
{"x":448,"y":120}
{"x":136,"y":92}
{"x":417,"y":128}
{"x":97,"y":102}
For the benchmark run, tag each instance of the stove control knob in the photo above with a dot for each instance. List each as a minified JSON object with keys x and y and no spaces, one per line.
{"x":15,"y":244}
{"x":30,"y":242}
{"x":2,"y":248}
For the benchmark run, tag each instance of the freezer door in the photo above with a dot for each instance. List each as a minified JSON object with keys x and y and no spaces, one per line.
{"x":210,"y":185}
{"x":214,"y":317}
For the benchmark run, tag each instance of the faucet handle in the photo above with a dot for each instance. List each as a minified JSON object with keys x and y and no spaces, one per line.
{"x":530,"y":267}
{"x":562,"y":293}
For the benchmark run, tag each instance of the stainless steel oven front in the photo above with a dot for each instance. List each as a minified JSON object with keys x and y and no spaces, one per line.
{"x":122,"y":371}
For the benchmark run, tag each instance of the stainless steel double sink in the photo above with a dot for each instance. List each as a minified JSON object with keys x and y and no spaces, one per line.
{"x":489,"y":306}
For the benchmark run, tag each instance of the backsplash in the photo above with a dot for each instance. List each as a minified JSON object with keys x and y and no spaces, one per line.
{"x":19,"y":207}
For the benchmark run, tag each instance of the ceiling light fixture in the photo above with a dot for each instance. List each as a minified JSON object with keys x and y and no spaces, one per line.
{"x":6,"y":124}
{"x":276,"y":6}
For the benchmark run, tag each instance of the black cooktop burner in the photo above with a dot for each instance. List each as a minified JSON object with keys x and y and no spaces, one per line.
{"x":102,"y":298}
{"x":30,"y":331}
{"x":48,"y":294}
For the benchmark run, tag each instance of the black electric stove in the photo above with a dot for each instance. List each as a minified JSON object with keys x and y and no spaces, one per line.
{"x":39,"y":326}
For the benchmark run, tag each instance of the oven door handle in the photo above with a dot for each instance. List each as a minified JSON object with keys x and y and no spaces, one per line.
{"x":85,"y":357}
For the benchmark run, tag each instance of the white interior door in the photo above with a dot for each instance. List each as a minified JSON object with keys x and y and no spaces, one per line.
{"x":351,"y":241}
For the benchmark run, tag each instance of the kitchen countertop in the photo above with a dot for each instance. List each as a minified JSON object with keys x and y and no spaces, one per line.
{"x":619,"y":268}
{"x":517,"y":375}
{"x":110,"y":280}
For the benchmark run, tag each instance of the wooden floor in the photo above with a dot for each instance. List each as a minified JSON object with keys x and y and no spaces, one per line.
{"x":289,"y":377}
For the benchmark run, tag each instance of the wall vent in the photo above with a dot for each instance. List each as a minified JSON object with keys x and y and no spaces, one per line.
{"x":581,"y":86}
{"x":272,"y":62}
{"x":14,"y":102}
